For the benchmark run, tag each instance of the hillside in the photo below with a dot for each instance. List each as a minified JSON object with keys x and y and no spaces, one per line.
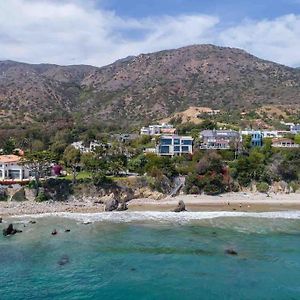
{"x":146,"y":87}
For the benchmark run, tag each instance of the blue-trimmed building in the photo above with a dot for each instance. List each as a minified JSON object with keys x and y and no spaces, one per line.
{"x":256,"y":137}
{"x":172,"y":145}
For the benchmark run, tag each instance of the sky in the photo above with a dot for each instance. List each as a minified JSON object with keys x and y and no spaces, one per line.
{"x":98,"y":32}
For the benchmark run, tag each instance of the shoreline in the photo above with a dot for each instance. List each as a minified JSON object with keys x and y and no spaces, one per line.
{"x":230,"y":202}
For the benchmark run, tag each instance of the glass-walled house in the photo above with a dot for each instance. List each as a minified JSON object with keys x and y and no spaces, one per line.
{"x":175,"y":145}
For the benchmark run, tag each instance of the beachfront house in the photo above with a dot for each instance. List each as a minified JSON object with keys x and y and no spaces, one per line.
{"x":174,"y":145}
{"x":256,"y":137}
{"x":284,"y":143}
{"x":219,"y":139}
{"x":158,"y":129}
{"x":11,"y":169}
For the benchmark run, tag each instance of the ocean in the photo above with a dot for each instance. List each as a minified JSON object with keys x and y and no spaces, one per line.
{"x":152,"y":255}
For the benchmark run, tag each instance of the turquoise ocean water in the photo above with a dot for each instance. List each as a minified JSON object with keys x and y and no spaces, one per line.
{"x":153,"y":256}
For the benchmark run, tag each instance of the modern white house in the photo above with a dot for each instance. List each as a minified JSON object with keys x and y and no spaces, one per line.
{"x":175,"y":145}
{"x":158,"y":129}
{"x":11,"y":169}
{"x":274,"y":133}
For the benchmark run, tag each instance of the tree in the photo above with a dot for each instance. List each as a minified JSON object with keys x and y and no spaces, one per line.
{"x":9,"y":146}
{"x":297,"y":138}
{"x":71,"y":159}
{"x":39,"y":163}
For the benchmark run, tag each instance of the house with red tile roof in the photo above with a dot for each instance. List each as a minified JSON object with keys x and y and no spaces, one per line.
{"x":12,"y":169}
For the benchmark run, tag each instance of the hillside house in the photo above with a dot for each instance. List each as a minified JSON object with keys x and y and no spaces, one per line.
{"x":158,"y":129}
{"x":295,"y":129}
{"x":256,"y":137}
{"x":284,"y":143}
{"x":219,"y":139}
{"x":174,"y":145}
{"x":11,"y":169}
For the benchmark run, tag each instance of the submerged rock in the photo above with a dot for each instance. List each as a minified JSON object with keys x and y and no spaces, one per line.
{"x":64,"y":260}
{"x":231,"y":252}
{"x":32,"y":222}
{"x":0,"y":220}
{"x":10,"y":230}
{"x":180,"y":207}
{"x":67,"y":230}
{"x":111,"y":205}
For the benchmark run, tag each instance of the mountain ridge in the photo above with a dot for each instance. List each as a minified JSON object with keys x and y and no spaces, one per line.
{"x":145,"y":87}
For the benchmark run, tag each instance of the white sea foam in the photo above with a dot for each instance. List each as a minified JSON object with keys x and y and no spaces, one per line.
{"x":183,"y":217}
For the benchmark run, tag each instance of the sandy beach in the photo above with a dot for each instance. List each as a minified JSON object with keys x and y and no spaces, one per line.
{"x":243,"y":202}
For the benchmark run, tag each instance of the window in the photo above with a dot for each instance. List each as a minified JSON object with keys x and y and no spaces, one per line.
{"x":185,"y":149}
{"x":187,"y":142}
{"x":176,"y":141}
{"x":166,"y":141}
{"x":14,"y":174}
{"x":176,"y":148}
{"x":164,"y":149}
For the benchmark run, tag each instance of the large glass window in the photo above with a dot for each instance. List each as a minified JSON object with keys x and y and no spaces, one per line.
{"x":166,"y":141}
{"x":185,"y":149}
{"x":187,"y":142}
{"x":14,"y":174}
{"x":176,"y":141}
{"x":177,"y":148}
{"x":164,"y":149}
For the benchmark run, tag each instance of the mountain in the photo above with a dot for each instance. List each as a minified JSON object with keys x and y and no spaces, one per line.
{"x":144,"y":87}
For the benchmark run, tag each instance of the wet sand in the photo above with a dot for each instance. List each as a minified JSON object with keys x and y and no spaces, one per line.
{"x":240,"y":202}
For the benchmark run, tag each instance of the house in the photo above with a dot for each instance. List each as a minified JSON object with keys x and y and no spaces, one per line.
{"x":219,"y":139}
{"x":11,"y":169}
{"x":256,"y":137}
{"x":158,"y":129}
{"x":125,"y":137}
{"x":173,"y":145}
{"x":284,"y":143}
{"x":81,"y":147}
{"x":295,"y":129}
{"x":274,"y":133}
{"x":91,"y":148}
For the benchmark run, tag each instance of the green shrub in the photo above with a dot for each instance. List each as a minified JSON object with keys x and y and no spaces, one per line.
{"x":100,"y":180}
{"x":294,"y":186}
{"x":41,"y":197}
{"x":263,"y":187}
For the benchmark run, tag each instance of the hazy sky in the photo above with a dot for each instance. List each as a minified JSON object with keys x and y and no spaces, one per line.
{"x":99,"y":32}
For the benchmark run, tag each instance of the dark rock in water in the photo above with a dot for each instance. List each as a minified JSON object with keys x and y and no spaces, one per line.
{"x":0,"y":220}
{"x":133,"y":269}
{"x":10,"y":230}
{"x":231,"y":252}
{"x":64,"y":260}
{"x":32,"y":222}
{"x":122,"y":206}
{"x":54,"y":232}
{"x":67,"y":230}
{"x":111,"y":205}
{"x":86,"y":223}
{"x":180,"y":207}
